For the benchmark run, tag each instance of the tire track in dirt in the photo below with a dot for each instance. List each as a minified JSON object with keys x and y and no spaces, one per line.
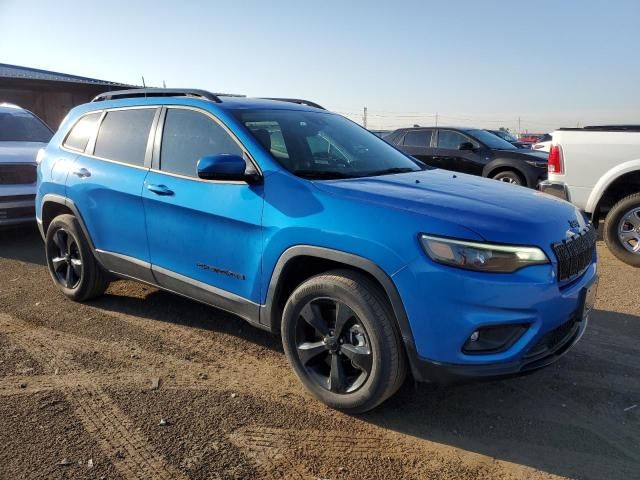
{"x":130,"y":452}
{"x":55,"y":348}
{"x":275,"y":450}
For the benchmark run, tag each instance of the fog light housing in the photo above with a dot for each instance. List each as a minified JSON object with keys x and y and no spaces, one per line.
{"x":493,"y":339}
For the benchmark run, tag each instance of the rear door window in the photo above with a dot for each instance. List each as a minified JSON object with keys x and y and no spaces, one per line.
{"x":188,"y":136}
{"x":82,"y":131}
{"x":417,"y":138}
{"x":123,"y":135}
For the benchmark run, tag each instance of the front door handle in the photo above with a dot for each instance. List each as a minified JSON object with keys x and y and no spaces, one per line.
{"x":159,"y":189}
{"x":82,"y":173}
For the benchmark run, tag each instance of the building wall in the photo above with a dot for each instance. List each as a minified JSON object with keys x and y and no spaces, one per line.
{"x":51,"y":101}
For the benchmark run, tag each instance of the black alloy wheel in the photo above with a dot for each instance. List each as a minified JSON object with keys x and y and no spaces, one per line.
{"x":333,"y":345}
{"x":66,"y":259}
{"x":72,"y":265}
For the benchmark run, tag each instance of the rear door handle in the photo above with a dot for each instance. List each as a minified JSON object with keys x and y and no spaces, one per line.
{"x":159,"y":189}
{"x":82,"y":173}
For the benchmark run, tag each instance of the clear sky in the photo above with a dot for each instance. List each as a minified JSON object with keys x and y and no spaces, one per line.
{"x":482,"y":63}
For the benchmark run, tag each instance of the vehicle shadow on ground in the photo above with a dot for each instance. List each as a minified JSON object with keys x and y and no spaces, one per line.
{"x":167,"y":307}
{"x":568,"y":419}
{"x":23,"y":244}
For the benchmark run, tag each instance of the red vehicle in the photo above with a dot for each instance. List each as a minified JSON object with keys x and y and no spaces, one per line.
{"x":530,"y":138}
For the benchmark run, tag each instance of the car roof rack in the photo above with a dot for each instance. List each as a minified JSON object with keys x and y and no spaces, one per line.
{"x":299,"y":101}
{"x":163,"y":92}
{"x":187,"y":92}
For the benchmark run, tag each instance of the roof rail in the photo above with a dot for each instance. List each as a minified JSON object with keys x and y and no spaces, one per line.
{"x":162,"y":92}
{"x":299,"y":101}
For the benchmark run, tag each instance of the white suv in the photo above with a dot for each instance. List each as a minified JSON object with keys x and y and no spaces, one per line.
{"x":22,"y":134}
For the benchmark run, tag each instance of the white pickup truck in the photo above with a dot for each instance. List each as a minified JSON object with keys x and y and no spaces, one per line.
{"x":598,"y":170}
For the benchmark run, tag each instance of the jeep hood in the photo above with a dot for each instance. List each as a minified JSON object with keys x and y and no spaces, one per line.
{"x":497,"y":211}
{"x":19,"y":152}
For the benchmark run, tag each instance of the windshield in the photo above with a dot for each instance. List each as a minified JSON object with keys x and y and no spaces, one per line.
{"x":318,"y":145}
{"x":504,"y":135}
{"x":21,"y":126}
{"x":491,"y":140}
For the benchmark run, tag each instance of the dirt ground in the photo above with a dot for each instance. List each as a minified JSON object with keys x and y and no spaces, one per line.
{"x":145,"y":384}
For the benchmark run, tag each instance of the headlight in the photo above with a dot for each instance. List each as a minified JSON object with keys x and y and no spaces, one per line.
{"x":483,"y":257}
{"x":40,"y":156}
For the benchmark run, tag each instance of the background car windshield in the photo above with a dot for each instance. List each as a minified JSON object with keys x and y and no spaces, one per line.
{"x":491,"y":140}
{"x":23,"y":127}
{"x":506,"y":136}
{"x":323,"y":145}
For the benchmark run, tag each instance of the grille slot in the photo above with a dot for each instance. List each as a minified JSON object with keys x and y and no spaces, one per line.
{"x":554,"y":339}
{"x":17,"y":174}
{"x":575,"y":254}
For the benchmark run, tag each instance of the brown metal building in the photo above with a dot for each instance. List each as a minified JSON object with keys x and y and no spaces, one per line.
{"x":50,"y":95}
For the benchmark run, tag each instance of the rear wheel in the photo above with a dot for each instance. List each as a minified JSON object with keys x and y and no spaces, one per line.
{"x":71,"y":263}
{"x":622,"y":230}
{"x":340,"y":338}
{"x":509,"y":176}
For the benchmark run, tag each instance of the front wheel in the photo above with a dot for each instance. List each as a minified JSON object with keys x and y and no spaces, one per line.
{"x":340,"y":338}
{"x":509,"y":176}
{"x":622,"y":230}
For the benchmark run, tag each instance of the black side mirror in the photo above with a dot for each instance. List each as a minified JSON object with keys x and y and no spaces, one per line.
{"x":466,"y":146}
{"x":225,"y":166}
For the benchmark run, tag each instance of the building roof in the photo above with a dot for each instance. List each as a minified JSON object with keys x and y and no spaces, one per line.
{"x":28,"y":73}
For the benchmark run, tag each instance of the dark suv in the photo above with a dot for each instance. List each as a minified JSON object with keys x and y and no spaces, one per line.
{"x":472,"y":151}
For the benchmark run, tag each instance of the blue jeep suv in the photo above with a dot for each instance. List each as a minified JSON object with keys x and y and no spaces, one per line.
{"x":369,"y":263}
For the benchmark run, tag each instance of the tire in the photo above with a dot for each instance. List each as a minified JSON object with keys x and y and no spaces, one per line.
{"x":71,"y":263}
{"x":509,"y":176}
{"x":622,"y":229}
{"x":365,"y":356}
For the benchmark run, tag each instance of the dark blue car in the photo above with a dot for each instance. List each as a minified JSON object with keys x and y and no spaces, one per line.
{"x":369,"y":263}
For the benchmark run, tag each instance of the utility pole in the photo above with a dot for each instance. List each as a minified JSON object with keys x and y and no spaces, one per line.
{"x":519,"y":129}
{"x":436,"y":119}
{"x":364,"y":118}
{"x":143,"y":84}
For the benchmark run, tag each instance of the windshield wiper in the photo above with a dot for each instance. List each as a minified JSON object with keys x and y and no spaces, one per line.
{"x":321,"y":174}
{"x":391,"y":171}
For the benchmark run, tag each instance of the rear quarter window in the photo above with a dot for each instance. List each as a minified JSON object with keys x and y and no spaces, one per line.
{"x":82,"y":131}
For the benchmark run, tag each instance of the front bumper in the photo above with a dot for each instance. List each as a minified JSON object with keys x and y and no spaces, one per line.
{"x":547,"y":351}
{"x":557,"y":189}
{"x":17,"y":210}
{"x":445,"y":306}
